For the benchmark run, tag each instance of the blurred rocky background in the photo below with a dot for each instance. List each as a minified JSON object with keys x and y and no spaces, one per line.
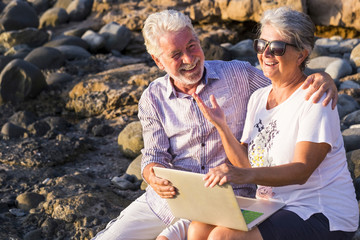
{"x":71,"y":75}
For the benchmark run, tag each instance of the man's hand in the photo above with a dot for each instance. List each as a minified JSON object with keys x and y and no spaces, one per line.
{"x":161,"y":186}
{"x":319,"y":84}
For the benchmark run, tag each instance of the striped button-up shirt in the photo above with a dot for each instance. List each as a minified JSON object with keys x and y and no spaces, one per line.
{"x":177,"y":135}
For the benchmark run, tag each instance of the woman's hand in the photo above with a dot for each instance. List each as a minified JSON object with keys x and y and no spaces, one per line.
{"x":226,"y":173}
{"x":215,"y":114}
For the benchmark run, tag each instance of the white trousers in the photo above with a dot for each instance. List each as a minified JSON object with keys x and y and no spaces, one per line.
{"x":138,"y":222}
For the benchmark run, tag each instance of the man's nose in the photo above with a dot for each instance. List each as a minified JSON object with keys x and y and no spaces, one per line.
{"x":187,"y":58}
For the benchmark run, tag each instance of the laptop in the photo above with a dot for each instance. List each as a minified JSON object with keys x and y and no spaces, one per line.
{"x":218,"y":205}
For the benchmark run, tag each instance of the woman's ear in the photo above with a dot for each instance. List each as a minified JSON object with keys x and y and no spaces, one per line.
{"x":158,"y":63}
{"x":302,"y":55}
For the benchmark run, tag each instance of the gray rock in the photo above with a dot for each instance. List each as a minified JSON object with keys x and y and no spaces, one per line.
{"x":79,"y":9}
{"x":338,"y":69}
{"x":63,"y":40}
{"x":20,"y":80}
{"x":346,"y":104}
{"x":29,"y":200}
{"x":12,"y":131}
{"x":130,"y":140}
{"x":95,"y":40}
{"x":244,"y":51}
{"x":18,"y":15}
{"x":39,"y":128}
{"x":18,"y":51}
{"x":53,"y":17}
{"x":57,"y":79}
{"x":351,"y":139}
{"x":117,"y":36}
{"x":102,"y":130}
{"x":349,"y":84}
{"x":73,"y":52}
{"x":23,"y":118}
{"x":319,"y":64}
{"x":30,"y":36}
{"x":352,"y":118}
{"x":353,"y":159}
{"x":46,"y":58}
{"x":33,"y":235}
{"x":4,"y":60}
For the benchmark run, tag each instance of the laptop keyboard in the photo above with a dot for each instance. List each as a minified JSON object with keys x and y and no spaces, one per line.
{"x":250,"y":216}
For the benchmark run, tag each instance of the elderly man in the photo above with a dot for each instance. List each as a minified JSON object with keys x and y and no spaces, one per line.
{"x":176,"y":135}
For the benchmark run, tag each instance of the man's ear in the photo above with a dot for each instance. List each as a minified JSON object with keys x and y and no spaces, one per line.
{"x":158,"y":63}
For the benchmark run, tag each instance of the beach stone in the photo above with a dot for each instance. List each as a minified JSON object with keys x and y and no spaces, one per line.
{"x":73,"y":52}
{"x":58,"y":78}
{"x":64,"y":40}
{"x":57,"y":123}
{"x":53,"y":17}
{"x":346,"y":104}
{"x":319,"y":64}
{"x":18,"y":51}
{"x":18,"y":15}
{"x":339,"y":68}
{"x":79,"y":10}
{"x":214,"y":51}
{"x":12,"y":131}
{"x":117,"y":36}
{"x":95,"y":40}
{"x":40,"y":6}
{"x":351,"y":138}
{"x":30,"y":36}
{"x":19,"y":80}
{"x":88,"y":105}
{"x":244,"y":51}
{"x":23,"y":118}
{"x":4,"y":60}
{"x":33,"y":235}
{"x":130,"y":140}
{"x":352,"y":118}
{"x":62,"y":3}
{"x":39,"y":128}
{"x":29,"y":200}
{"x":349,"y":84}
{"x":355,"y":56}
{"x":353,"y":159}
{"x":134,"y":167}
{"x":46,"y":58}
{"x":102,"y":130}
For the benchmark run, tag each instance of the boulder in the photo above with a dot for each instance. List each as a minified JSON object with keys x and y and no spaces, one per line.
{"x":11,"y":131}
{"x":339,"y":68}
{"x":46,"y":58}
{"x":79,"y":10}
{"x":73,"y":52}
{"x":130,"y":140}
{"x":355,"y":56}
{"x":117,"y":36}
{"x":30,"y":36}
{"x":19,"y":80}
{"x":96,"y":41}
{"x":351,"y":139}
{"x":53,"y":17}
{"x":29,"y":200}
{"x":18,"y":15}
{"x":64,"y":40}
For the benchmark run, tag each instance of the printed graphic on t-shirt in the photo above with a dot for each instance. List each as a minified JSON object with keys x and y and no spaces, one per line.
{"x":259,"y":149}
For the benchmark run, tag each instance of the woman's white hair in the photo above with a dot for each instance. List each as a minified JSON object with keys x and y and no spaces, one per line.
{"x":160,"y":23}
{"x":296,"y":27}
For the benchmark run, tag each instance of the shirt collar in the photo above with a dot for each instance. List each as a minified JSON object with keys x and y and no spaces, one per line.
{"x":209,"y":76}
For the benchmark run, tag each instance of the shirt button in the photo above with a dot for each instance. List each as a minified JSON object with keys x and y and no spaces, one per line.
{"x":203,"y":144}
{"x":202,"y":167}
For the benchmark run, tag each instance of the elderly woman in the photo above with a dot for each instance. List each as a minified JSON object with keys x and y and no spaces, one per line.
{"x":292,"y":149}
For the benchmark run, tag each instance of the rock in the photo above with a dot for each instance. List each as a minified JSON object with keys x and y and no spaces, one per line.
{"x":353,"y":159}
{"x":117,"y":36}
{"x":73,"y":52}
{"x":18,"y":51}
{"x":349,"y":84}
{"x":319,"y":64}
{"x":20,"y":80}
{"x":96,"y":41}
{"x":351,"y":139}
{"x":57,"y":79}
{"x":352,"y":118}
{"x":244,"y":51}
{"x":355,"y":56}
{"x":30,"y":36}
{"x":130,"y":140}
{"x":29,"y":200}
{"x":53,"y":17}
{"x":346,"y":104}
{"x":134,"y":169}
{"x":39,"y":128}
{"x":79,"y":9}
{"x":23,"y":118}
{"x":33,"y":235}
{"x":64,"y":40}
{"x":338,"y":69}
{"x":12,"y":131}
{"x":102,"y":130}
{"x":4,"y":60}
{"x":46,"y":58}
{"x":18,"y":15}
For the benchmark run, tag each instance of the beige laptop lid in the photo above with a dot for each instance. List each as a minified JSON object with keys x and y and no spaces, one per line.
{"x":217,"y":205}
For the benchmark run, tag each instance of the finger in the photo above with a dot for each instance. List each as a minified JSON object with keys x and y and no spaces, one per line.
{"x":223,"y":180}
{"x":308,"y":81}
{"x":215,"y":181}
{"x":334,"y":101}
{"x":209,"y":180}
{"x":213,"y":101}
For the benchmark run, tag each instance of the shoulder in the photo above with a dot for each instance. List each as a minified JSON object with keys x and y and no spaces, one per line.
{"x":155,"y":89}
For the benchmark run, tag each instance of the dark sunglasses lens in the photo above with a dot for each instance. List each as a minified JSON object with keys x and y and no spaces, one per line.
{"x":277,"y":48}
{"x":259,"y":46}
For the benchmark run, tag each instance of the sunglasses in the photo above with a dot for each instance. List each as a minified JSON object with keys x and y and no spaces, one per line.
{"x":276,"y":48}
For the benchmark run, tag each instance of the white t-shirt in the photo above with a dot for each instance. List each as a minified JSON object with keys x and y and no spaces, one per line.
{"x":271,"y":136}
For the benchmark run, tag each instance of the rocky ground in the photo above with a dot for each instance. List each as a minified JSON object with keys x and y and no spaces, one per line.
{"x":59,"y":149}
